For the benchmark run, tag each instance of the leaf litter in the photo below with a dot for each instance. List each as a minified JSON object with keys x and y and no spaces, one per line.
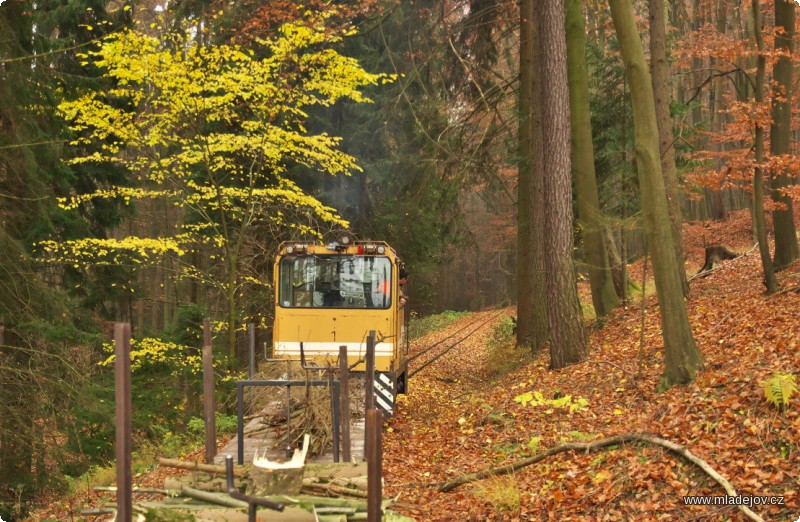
{"x":454,"y":421}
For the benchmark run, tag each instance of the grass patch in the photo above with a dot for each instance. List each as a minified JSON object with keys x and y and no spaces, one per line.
{"x":504,"y":355}
{"x":635,"y":292}
{"x":502,"y":492}
{"x":422,"y":326}
{"x":588,"y":312}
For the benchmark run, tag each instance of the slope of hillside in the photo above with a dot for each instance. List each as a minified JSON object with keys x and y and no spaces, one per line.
{"x":460,"y":424}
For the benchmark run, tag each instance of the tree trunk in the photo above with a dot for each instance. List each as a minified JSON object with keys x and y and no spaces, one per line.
{"x":716,"y":203}
{"x":699,"y":65}
{"x":662,"y":89}
{"x":604,"y":297}
{"x":759,"y":218}
{"x":786,"y":247}
{"x":568,"y":341}
{"x":532,"y":328}
{"x":681,"y":357}
{"x":525,"y":297}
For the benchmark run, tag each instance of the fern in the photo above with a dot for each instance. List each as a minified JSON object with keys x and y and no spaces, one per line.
{"x":779,"y":388}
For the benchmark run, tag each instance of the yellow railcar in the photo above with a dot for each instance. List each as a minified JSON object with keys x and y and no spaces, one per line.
{"x":329,"y":295}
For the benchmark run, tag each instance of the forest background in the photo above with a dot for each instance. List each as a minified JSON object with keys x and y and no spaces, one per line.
{"x":153,"y":156}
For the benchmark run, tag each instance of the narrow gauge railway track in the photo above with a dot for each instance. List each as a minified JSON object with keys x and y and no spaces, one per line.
{"x":480,"y":324}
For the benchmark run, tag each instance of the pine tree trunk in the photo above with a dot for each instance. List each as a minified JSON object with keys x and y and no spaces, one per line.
{"x":681,"y":357}
{"x":759,"y":218}
{"x":662,"y":89}
{"x":525,"y":297}
{"x":604,"y":298}
{"x":786,"y":246}
{"x":568,"y":340}
{"x":532,"y":328}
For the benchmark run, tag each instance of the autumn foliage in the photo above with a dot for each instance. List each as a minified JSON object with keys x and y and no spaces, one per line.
{"x":455,"y":422}
{"x":723,"y":148}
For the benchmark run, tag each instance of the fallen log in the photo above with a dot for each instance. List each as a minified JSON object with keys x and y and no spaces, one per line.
{"x":320,"y":501}
{"x":136,"y":489}
{"x":197,"y":466}
{"x":331,"y":489}
{"x":335,"y":511}
{"x":95,"y":512}
{"x":597,"y":445}
{"x":222,"y":499}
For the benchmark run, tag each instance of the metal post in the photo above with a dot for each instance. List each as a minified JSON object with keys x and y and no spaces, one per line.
{"x":369,"y":382}
{"x":209,"y":402}
{"x":288,"y":448}
{"x":122,"y":393}
{"x":251,"y":337}
{"x":240,"y":421}
{"x":369,"y":375}
{"x":334,"y":414}
{"x":374,"y":453}
{"x":344,"y":402}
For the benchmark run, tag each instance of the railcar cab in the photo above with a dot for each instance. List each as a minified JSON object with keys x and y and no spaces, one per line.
{"x":329,"y":295}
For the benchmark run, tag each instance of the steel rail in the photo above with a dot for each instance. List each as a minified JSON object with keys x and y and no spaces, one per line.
{"x":440,"y":341}
{"x":446,"y":350}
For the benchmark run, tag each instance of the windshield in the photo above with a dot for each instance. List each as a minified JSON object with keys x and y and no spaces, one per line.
{"x":335,"y":281}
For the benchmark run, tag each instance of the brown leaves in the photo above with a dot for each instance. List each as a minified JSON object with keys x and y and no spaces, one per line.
{"x":722,"y":417}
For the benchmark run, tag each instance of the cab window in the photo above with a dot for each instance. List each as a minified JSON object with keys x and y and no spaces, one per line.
{"x":334,"y":281}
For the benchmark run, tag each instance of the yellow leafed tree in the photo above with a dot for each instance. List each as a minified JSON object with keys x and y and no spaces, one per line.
{"x":213,"y":131}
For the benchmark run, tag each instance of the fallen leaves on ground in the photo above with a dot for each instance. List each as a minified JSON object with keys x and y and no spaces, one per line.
{"x":454,"y":422}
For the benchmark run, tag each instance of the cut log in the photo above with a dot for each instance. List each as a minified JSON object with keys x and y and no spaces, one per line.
{"x":359,"y":505}
{"x":272,"y":478}
{"x":197,"y":466}
{"x":166,"y":491}
{"x":222,"y":499}
{"x":204,"y":483}
{"x":331,"y":489}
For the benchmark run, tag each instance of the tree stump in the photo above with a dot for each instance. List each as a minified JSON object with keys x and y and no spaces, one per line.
{"x":274,"y":478}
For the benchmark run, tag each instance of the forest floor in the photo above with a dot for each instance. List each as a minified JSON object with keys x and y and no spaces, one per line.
{"x":458,"y":420}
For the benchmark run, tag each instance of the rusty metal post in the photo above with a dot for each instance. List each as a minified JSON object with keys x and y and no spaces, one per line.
{"x":209,"y":402}
{"x":335,"y":400}
{"x":251,"y":342}
{"x":122,"y":398}
{"x":344,"y":402}
{"x":240,"y":422}
{"x":374,"y":453}
{"x":369,"y":374}
{"x":369,"y":382}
